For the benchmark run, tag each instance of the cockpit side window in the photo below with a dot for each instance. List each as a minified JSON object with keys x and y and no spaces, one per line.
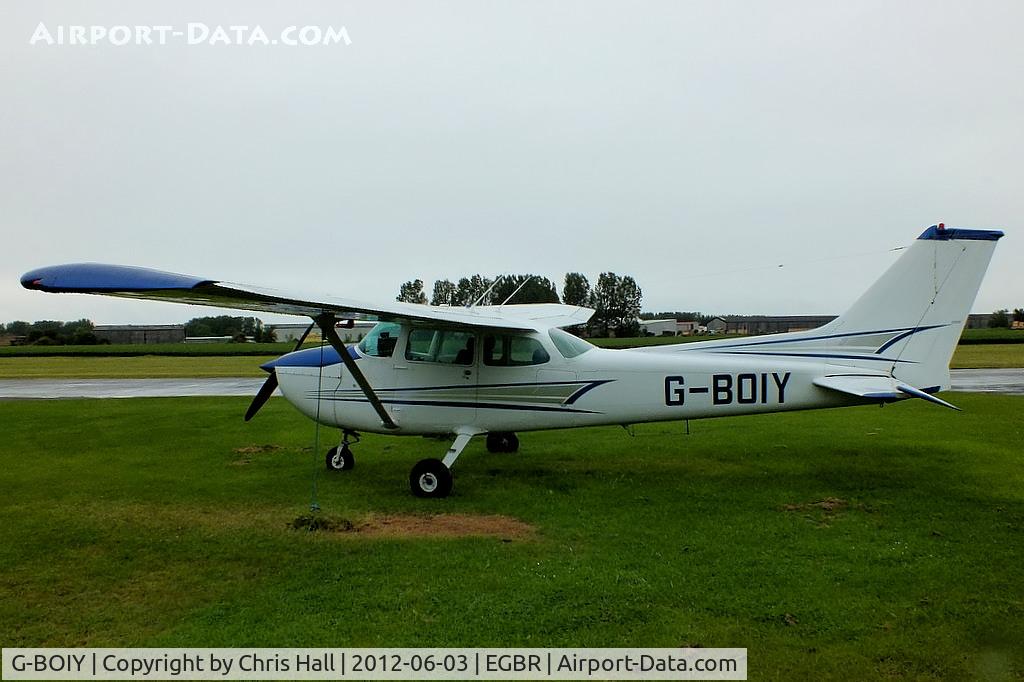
{"x":444,"y":346}
{"x":513,"y":350}
{"x":381,"y":340}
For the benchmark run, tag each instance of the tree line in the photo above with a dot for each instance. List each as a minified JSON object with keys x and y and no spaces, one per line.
{"x":82,"y":332}
{"x":53,"y":332}
{"x":1002,"y":317}
{"x":239,"y":328}
{"x":616,"y":299}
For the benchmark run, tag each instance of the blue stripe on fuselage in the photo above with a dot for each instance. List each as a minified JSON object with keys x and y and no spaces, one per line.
{"x":321,"y":356}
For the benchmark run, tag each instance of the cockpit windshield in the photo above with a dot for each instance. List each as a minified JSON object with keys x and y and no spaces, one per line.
{"x":381,"y":340}
{"x":568,"y":345}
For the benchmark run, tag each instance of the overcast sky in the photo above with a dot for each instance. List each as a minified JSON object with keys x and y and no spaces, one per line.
{"x":694,"y":145}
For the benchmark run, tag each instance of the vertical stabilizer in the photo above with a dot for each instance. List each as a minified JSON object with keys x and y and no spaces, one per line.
{"x":913,"y":315}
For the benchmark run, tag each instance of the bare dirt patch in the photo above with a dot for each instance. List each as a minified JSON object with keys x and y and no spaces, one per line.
{"x":830,"y":505}
{"x":414,"y":526}
{"x":446,"y":525}
{"x":257,"y":449}
{"x":248,"y":451}
{"x":823,"y":512}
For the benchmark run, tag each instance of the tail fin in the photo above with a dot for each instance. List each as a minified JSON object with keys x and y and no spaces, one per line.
{"x":910,"y":320}
{"x":904,"y":328}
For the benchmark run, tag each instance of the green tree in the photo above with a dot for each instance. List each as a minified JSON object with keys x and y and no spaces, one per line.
{"x":535,"y":289}
{"x":412,"y":292}
{"x":444,"y":293}
{"x":472,"y":289}
{"x":576,"y":290}
{"x":1000,"y":318}
{"x":616,"y":301}
{"x":1018,"y":314}
{"x":227,"y":325}
{"x":630,"y":298}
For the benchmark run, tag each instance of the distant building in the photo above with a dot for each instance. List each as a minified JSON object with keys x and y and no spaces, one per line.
{"x":658,"y":327}
{"x":766,"y":324}
{"x":774,"y":324}
{"x":716,"y":325}
{"x":139,"y":334}
{"x":687,"y":327}
{"x":292,"y":332}
{"x":978,"y":321}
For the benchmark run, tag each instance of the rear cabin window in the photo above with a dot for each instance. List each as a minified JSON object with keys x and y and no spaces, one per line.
{"x":441,"y":345}
{"x":508,"y":350}
{"x":381,"y":340}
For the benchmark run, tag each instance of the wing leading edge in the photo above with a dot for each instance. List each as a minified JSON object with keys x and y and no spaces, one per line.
{"x":135,"y":282}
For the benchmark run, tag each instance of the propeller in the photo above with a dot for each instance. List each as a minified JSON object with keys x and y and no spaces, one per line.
{"x":270,"y":385}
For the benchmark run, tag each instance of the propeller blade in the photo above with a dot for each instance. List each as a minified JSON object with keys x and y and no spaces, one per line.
{"x":262,"y":396}
{"x":270,"y":385}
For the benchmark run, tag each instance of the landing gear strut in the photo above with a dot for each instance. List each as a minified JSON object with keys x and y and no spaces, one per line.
{"x":340,"y":457}
{"x":433,"y":477}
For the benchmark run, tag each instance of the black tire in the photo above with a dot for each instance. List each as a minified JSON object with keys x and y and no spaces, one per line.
{"x":502,"y":442}
{"x":431,"y":478}
{"x":339,"y":460}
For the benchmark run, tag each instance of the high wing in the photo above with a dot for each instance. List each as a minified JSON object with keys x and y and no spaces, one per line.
{"x":134,"y":282}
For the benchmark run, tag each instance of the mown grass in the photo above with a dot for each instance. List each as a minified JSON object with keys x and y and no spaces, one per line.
{"x":855,"y":544}
{"x":983,"y":356}
{"x":994,"y":335}
{"x":972,"y":356}
{"x":147,"y":366}
{"x":137,"y":349}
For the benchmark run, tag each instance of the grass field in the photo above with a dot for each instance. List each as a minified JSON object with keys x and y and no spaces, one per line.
{"x":128,"y":350}
{"x":996,"y":335}
{"x":146,"y":366}
{"x":857,"y":544}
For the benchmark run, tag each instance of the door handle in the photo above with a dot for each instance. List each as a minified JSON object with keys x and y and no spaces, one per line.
{"x":467,"y":372}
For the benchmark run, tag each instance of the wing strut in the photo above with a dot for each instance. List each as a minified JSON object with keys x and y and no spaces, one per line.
{"x":326,"y":323}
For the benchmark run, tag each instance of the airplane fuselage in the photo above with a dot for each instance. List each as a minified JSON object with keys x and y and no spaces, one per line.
{"x":597,"y":387}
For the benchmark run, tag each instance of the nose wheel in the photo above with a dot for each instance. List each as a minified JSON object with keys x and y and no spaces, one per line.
{"x":340,"y":457}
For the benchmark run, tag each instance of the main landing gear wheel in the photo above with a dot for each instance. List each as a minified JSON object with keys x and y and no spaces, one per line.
{"x":431,"y":478}
{"x":502,"y":442}
{"x":340,"y":458}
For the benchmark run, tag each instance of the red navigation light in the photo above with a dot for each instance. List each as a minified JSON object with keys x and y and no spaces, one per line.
{"x":942,"y":226}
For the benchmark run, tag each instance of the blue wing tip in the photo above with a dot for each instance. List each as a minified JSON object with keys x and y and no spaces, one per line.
{"x":97,"y":277}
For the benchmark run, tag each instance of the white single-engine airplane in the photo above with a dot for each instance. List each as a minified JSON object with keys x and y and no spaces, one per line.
{"x":496,"y":370}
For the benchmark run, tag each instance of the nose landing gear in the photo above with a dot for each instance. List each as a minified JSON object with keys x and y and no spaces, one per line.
{"x":340,"y":457}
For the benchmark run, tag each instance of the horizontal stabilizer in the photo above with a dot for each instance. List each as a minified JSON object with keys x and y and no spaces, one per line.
{"x":879,"y":387}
